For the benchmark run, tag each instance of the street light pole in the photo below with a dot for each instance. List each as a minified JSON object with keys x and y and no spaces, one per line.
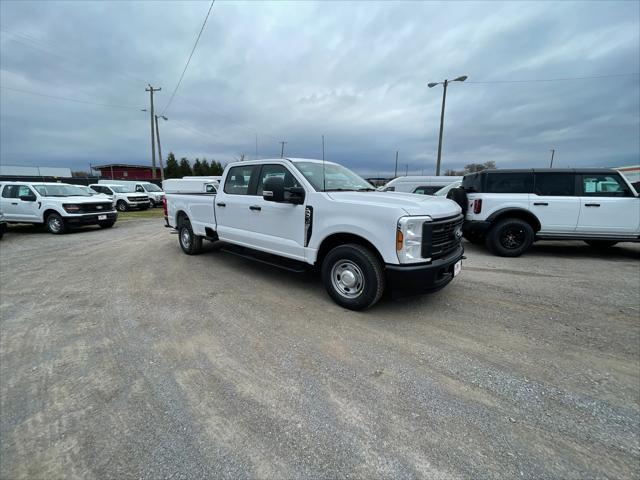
{"x":444,"y":99}
{"x":159,"y":148}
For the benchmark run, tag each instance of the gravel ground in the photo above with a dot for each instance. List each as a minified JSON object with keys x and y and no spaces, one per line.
{"x":121,"y":357}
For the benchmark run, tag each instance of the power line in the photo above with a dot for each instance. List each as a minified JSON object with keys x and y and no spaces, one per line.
{"x":110,"y":105}
{"x":189,"y":59}
{"x":613,"y":75}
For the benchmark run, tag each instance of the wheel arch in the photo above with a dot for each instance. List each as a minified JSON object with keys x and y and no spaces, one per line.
{"x":180,"y":214}
{"x":48,"y":211}
{"x":520,"y":213}
{"x":335,"y":239}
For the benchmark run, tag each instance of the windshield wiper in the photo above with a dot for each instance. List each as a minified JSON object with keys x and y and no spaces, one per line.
{"x":366,"y":189}
{"x":339,"y":190}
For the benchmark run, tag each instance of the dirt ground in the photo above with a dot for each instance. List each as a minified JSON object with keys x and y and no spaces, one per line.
{"x":121,"y":357}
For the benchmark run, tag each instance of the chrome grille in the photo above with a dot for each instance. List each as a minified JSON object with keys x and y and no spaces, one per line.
{"x":95,"y":207}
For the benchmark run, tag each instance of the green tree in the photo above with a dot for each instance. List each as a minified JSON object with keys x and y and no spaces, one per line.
{"x":197,"y":168}
{"x":185,"y":167}
{"x":478,"y":167}
{"x":172,"y":170}
{"x":204,"y":166}
{"x":216,"y":168}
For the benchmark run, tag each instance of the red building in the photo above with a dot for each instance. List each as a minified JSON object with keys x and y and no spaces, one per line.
{"x":122,"y":171}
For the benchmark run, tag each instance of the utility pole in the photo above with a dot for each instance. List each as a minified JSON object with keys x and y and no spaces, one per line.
{"x":323,"y":148}
{"x":553,"y":152}
{"x":159,"y":148}
{"x":395,"y":173}
{"x":256,"y":145}
{"x":150,"y":89}
{"x":406,"y":172}
{"x":282,"y":150}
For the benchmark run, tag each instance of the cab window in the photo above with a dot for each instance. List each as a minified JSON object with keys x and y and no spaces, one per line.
{"x":139,"y":189}
{"x":210,"y":189}
{"x":238,"y":179}
{"x":604,"y":185}
{"x":24,"y":191}
{"x":10,"y":191}
{"x":276,"y":171}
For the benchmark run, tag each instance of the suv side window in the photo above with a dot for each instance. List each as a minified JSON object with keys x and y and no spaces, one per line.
{"x":521,"y":182}
{"x":276,"y":171}
{"x":425,"y":190}
{"x":10,"y":191}
{"x":604,"y":185}
{"x":555,"y":184}
{"x":238,"y":179}
{"x":139,"y":189}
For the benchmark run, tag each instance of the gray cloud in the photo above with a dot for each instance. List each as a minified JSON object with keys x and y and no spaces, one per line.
{"x":355,"y":72}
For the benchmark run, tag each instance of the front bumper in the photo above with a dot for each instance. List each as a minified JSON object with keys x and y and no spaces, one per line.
{"x":145,"y":204}
{"x":90,"y":218}
{"x":424,"y":277}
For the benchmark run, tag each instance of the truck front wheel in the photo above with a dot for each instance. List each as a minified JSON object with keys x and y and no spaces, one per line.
{"x":353,"y":276}
{"x":55,"y":224}
{"x":190,"y":242}
{"x":122,"y":206}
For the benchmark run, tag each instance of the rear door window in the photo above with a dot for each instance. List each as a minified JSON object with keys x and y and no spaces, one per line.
{"x":555,"y":184}
{"x":10,"y":191}
{"x":239,"y":179}
{"x":519,"y":182}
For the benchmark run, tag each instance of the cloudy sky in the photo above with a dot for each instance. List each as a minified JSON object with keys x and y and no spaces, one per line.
{"x":354,"y":71}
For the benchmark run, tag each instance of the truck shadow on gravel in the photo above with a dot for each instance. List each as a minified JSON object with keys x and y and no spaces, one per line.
{"x":621,"y":251}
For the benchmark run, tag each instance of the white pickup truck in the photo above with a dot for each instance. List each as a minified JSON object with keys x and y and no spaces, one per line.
{"x":59,"y":206}
{"x":320,"y":214}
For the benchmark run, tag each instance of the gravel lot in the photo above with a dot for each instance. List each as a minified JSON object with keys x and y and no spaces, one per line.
{"x":121,"y":357}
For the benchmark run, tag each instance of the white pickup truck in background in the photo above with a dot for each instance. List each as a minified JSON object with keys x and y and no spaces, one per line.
{"x":320,"y":214}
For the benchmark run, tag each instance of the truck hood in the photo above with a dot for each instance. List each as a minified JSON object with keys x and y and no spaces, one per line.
{"x":412,"y":204}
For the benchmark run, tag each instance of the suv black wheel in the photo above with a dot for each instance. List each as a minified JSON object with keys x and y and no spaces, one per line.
{"x":510,"y":237}
{"x":122,"y":206}
{"x":55,"y":224}
{"x":600,"y":244}
{"x":190,"y":242}
{"x":353,"y":276}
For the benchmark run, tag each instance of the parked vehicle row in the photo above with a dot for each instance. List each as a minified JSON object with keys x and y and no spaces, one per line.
{"x":124,"y":197}
{"x":150,"y":190}
{"x":510,"y":209}
{"x":308,"y":213}
{"x":58,"y":206}
{"x":420,"y":184}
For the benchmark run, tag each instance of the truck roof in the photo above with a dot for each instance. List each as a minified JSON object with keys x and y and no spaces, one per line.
{"x":260,"y":161}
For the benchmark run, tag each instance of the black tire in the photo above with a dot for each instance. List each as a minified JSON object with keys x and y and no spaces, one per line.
{"x":366,"y":282}
{"x":122,"y":206}
{"x":474,"y":238}
{"x":152,"y":204}
{"x":55,"y":224}
{"x":600,"y":244}
{"x":144,"y":208}
{"x":459,"y":196}
{"x":108,"y":224}
{"x":510,"y":237}
{"x":190,"y":243}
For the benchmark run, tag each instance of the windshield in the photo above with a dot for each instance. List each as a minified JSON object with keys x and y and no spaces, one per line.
{"x":151,"y":187}
{"x":332,"y":178}
{"x":60,"y":191}
{"x":119,"y":189}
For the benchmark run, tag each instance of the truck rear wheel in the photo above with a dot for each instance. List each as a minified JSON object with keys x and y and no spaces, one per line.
{"x":353,"y":276}
{"x":55,"y":224}
{"x":510,"y":237}
{"x":190,"y":242}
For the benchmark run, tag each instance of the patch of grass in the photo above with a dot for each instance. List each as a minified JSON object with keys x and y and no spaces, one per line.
{"x":134,"y":214}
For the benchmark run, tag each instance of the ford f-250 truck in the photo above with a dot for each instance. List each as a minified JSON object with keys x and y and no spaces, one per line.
{"x":321,"y":214}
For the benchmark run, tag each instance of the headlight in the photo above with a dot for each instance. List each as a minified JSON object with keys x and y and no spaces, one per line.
{"x":71,"y":208}
{"x":409,"y":239}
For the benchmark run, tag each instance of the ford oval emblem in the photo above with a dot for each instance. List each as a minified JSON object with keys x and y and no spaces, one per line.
{"x":458,"y":233}
{"x":99,"y":207}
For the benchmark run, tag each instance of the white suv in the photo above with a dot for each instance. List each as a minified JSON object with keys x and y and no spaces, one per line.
{"x":510,"y":209}
{"x":123,"y":196}
{"x":58,"y":205}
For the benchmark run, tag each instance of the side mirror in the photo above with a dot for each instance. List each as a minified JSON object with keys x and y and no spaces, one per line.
{"x":273,"y":190}
{"x":296,"y":195}
{"x":28,"y":198}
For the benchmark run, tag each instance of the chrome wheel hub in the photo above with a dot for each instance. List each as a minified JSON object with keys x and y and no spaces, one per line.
{"x":55,"y":224}
{"x":185,"y":236}
{"x":347,"y":279}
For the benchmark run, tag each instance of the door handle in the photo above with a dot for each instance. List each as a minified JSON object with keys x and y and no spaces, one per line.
{"x":220,"y":204}
{"x":255,"y":207}
{"x":14,"y":203}
{"x":543,"y":204}
{"x":591,"y":204}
